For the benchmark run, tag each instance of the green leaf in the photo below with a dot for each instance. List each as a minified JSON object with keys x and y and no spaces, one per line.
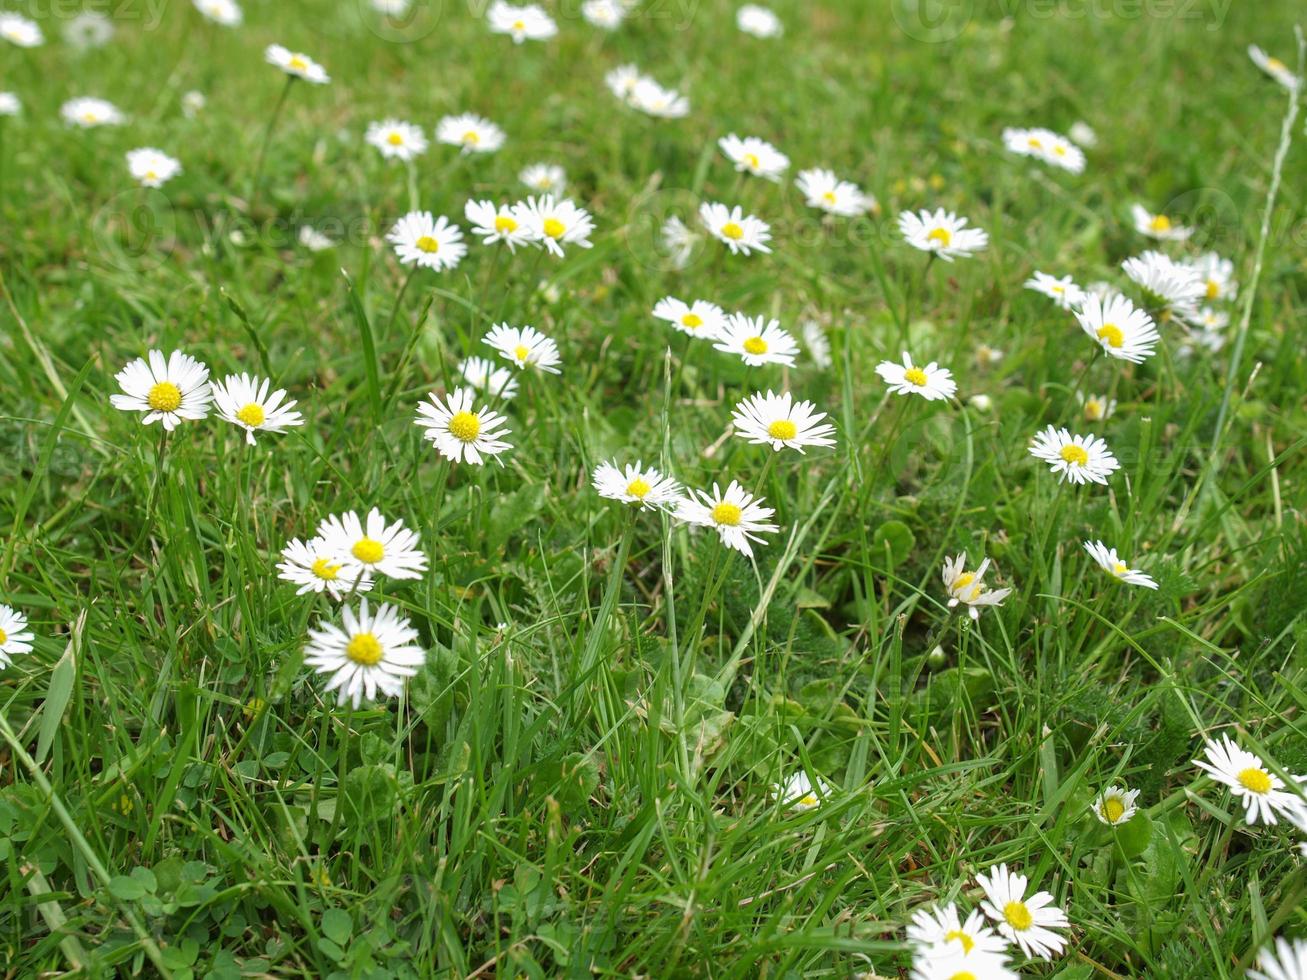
{"x":895,"y":540}
{"x":337,"y":925}
{"x":369,"y":346}
{"x":126,"y":889}
{"x":1134,"y":835}
{"x":59,"y":690}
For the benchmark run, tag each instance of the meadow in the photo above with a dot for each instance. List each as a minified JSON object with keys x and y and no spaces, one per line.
{"x":567,"y":719}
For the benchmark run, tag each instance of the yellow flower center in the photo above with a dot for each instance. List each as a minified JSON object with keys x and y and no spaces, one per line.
{"x":782,"y":429}
{"x":1060,"y":150}
{"x":427,"y":244}
{"x":941,"y":235}
{"x":1112,"y":334}
{"x":1120,"y":568}
{"x":968,"y":944}
{"x":521,"y":353}
{"x":1275,"y":64}
{"x":962,"y":581}
{"x":554,"y":228}
{"x":1034,"y":144}
{"x":151,"y":175}
{"x":829,"y":197}
{"x":504,"y":223}
{"x":1213,"y":289}
{"x":368,"y":550}
{"x":1255,"y":781}
{"x":963,"y":975}
{"x":809,"y":800}
{"x":1075,"y":455}
{"x":916,"y":376}
{"x":692,"y":320}
{"x":756,"y":345}
{"x":472,"y":137}
{"x":395,"y":139}
{"x":1112,"y":809}
{"x":252,"y":415}
{"x":325,"y":569}
{"x":364,"y":649}
{"x":519,"y":25}
{"x":465,"y":426}
{"x":298,"y":63}
{"x":751,"y":161}
{"x":1018,"y":916}
{"x":89,"y":117}
{"x":164,"y":397}
{"x":732,"y":231}
{"x":4,"y":638}
{"x":1160,"y":223}
{"x":727,"y":514}
{"x":638,"y":488}
{"x":1093,"y":409}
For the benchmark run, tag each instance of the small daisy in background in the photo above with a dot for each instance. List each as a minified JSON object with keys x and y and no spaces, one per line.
{"x":88,"y":30}
{"x":296,"y":65}
{"x":942,"y":233}
{"x":622,"y":80}
{"x":527,"y":23}
{"x":193,"y":103}
{"x":1046,"y":146}
{"x":168,"y":390}
{"x":470,"y":132}
{"x":554,"y":223}
{"x":799,"y":791}
{"x":421,"y":239}
{"x":940,"y":929}
{"x":1028,"y":922}
{"x":1095,"y":408}
{"x":15,"y":638}
{"x":20,"y":31}
{"x":742,"y":233}
{"x":679,"y":241}
{"x":818,"y":344}
{"x":823,"y":190}
{"x":699,"y":319}
{"x":314,"y":240}
{"x":525,"y":347}
{"x":313,"y":567}
{"x":488,"y":377}
{"x":460,"y":431}
{"x":1118,"y":327}
{"x":655,"y":100}
{"x":372,"y":545}
{"x":605,"y":14}
{"x":1217,"y":275}
{"x":757,"y":341}
{"x":988,"y":357}
{"x":1286,"y":960}
{"x":225,"y":13}
{"x":969,"y":588}
{"x":758,"y":21}
{"x":247,"y":402}
{"x":498,"y":223}
{"x":1273,"y":67}
{"x":10,"y":104}
{"x":738,"y":517}
{"x":1082,"y":134}
{"x":88,"y":113}
{"x":1079,"y":459}
{"x":391,"y":8}
{"x":957,"y":964}
{"x":371,"y":653}
{"x":1061,"y":289}
{"x":636,"y":484}
{"x":1250,"y":780}
{"x":152,"y":168}
{"x":1169,"y":287}
{"x":395,"y":139}
{"x":1157,"y":226}
{"x":1115,"y":805}
{"x":544,"y":178}
{"x":780,"y":422}
{"x":754,"y":156}
{"x":1109,"y":562}
{"x":931,"y":382}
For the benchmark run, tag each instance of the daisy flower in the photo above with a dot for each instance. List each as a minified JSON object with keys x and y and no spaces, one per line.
{"x":1287,"y":960}
{"x":497,"y":223}
{"x":373,"y":653}
{"x":372,"y":545}
{"x":740,"y":232}
{"x":1028,"y":922}
{"x":1061,"y":289}
{"x":555,"y":223}
{"x":607,"y":14}
{"x":1080,"y":459}
{"x":636,"y":484}
{"x":1157,"y":226}
{"x":295,"y":64}
{"x":1095,"y":408}
{"x":544,"y":178}
{"x":314,"y":240}
{"x":151,"y":167}
{"x":758,"y":21}
{"x":1109,"y":562}
{"x":14,"y":635}
{"x":1083,"y":134}
{"x":427,"y":241}
{"x":941,"y":233}
{"x":622,"y":80}
{"x":482,"y":373}
{"x":470,"y":132}
{"x":525,"y":346}
{"x":699,"y":319}
{"x":818,"y":344}
{"x":757,"y":341}
{"x":18,"y":30}
{"x":954,"y":964}
{"x":798,"y":791}
{"x":1119,"y":328}
{"x":9,"y":104}
{"x":1217,"y":275}
{"x":89,"y":29}
{"x":1115,"y":805}
{"x":90,"y":112}
{"x":193,"y":103}
{"x":754,"y":156}
{"x":987,"y":356}
{"x":312,"y":567}
{"x":529,"y":23}
{"x":781,"y":422}
{"x":460,"y":433}
{"x":940,"y":929}
{"x":391,"y":8}
{"x":738,"y":517}
{"x":1064,"y":153}
{"x":1274,"y":67}
{"x":932,"y":382}
{"x":654,"y":100}
{"x":1168,"y":285}
{"x":245,"y":401}
{"x":1209,"y":319}
{"x":821,"y":189}
{"x":679,"y":241}
{"x":1046,"y":146}
{"x":968,"y":588}
{"x":167,"y":391}
{"x":226,"y":13}
{"x":396,"y":139}
{"x":1262,"y":793}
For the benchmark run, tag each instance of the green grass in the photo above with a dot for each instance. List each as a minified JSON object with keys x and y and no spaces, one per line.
{"x":587,"y":790}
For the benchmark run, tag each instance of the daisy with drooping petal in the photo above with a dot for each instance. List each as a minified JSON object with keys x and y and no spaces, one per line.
{"x":758,"y":21}
{"x":1095,"y":408}
{"x":1286,"y":960}
{"x":699,"y":319}
{"x":295,"y":64}
{"x":757,"y":341}
{"x":151,"y":167}
{"x":942,"y":233}
{"x":525,"y":347}
{"x":313,"y":567}
{"x":1262,"y":792}
{"x":1028,"y":922}
{"x":470,"y":132}
{"x":1115,"y":805}
{"x":737,"y":516}
{"x":679,"y":241}
{"x":372,"y":654}
{"x":818,"y":344}
{"x":225,"y":13}
{"x":1109,"y":562}
{"x":607,"y":14}
{"x":88,"y":112}
{"x":969,"y":588}
{"x":1061,"y":289}
{"x":941,"y":930}
{"x":654,"y":100}
{"x":19,"y":31}
{"x":955,"y":964}
{"x":372,"y":545}
{"x":1118,"y":327}
{"x":167,"y":391}
{"x":459,"y":432}
{"x":636,"y":484}
{"x":741,"y":233}
{"x":932,"y":382}
{"x":485,"y":375}
{"x":781,"y":422}
{"x":427,"y":241}
{"x":555,"y":223}
{"x":544,"y":178}
{"x":1217,"y":275}
{"x":528,"y":23}
{"x":821,"y":189}
{"x":15,"y":638}
{"x":622,"y":80}
{"x":1080,"y":459}
{"x":245,"y":401}
{"x":1169,"y":286}
{"x":395,"y":139}
{"x":314,"y":240}
{"x":1157,"y":226}
{"x":1273,"y":67}
{"x":498,"y":223}
{"x":799,"y":791}
{"x":754,"y":156}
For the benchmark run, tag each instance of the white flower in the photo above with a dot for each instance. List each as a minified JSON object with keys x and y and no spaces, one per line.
{"x":224,"y":12}
{"x":525,"y":346}
{"x":1109,"y":562}
{"x":470,"y":132}
{"x":679,"y":241}
{"x":18,"y":30}
{"x":373,"y":654}
{"x":430,"y":242}
{"x":529,"y":23}
{"x":313,"y":567}
{"x":372,"y":545}
{"x":1047,"y":146}
{"x":954,"y":964}
{"x":781,"y":422}
{"x":295,"y":64}
{"x":799,"y":791}
{"x":458,"y":432}
{"x":1118,"y":327}
{"x":754,"y":156}
{"x":1261,"y":791}
{"x":757,"y":341}
{"x":495,"y":381}
{"x":622,"y":80}
{"x":758,"y":21}
{"x":396,"y":140}
{"x":738,"y":517}
{"x":14,"y":635}
{"x":942,"y":233}
{"x":636,"y":484}
{"x":1210,"y":319}
{"x":607,"y":14}
{"x":1061,"y":289}
{"x":89,"y":29}
{"x":1168,"y":285}
{"x":391,"y":8}
{"x":1080,"y":459}
{"x":981,"y":403}
{"x":168,"y":391}
{"x":699,"y":319}
{"x":555,"y":223}
{"x":1083,"y":133}
{"x":1274,"y":67}
{"x":90,"y":112}
{"x":1115,"y":805}
{"x":193,"y":103}
{"x":1095,"y":408}
{"x":314,"y":240}
{"x":9,"y":104}
{"x":151,"y":167}
{"x":817,"y":342}
{"x":1217,"y":275}
{"x":1157,"y":226}
{"x":544,"y":178}
{"x":740,"y":233}
{"x":1028,"y":922}
{"x":498,"y":223}
{"x":940,"y":930}
{"x":932,"y":382}
{"x":1287,"y":960}
{"x":821,"y":189}
{"x":968,"y":588}
{"x":654,"y":100}
{"x":246,"y":402}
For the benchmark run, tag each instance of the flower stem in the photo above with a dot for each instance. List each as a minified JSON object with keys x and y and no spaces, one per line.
{"x":267,"y":138}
